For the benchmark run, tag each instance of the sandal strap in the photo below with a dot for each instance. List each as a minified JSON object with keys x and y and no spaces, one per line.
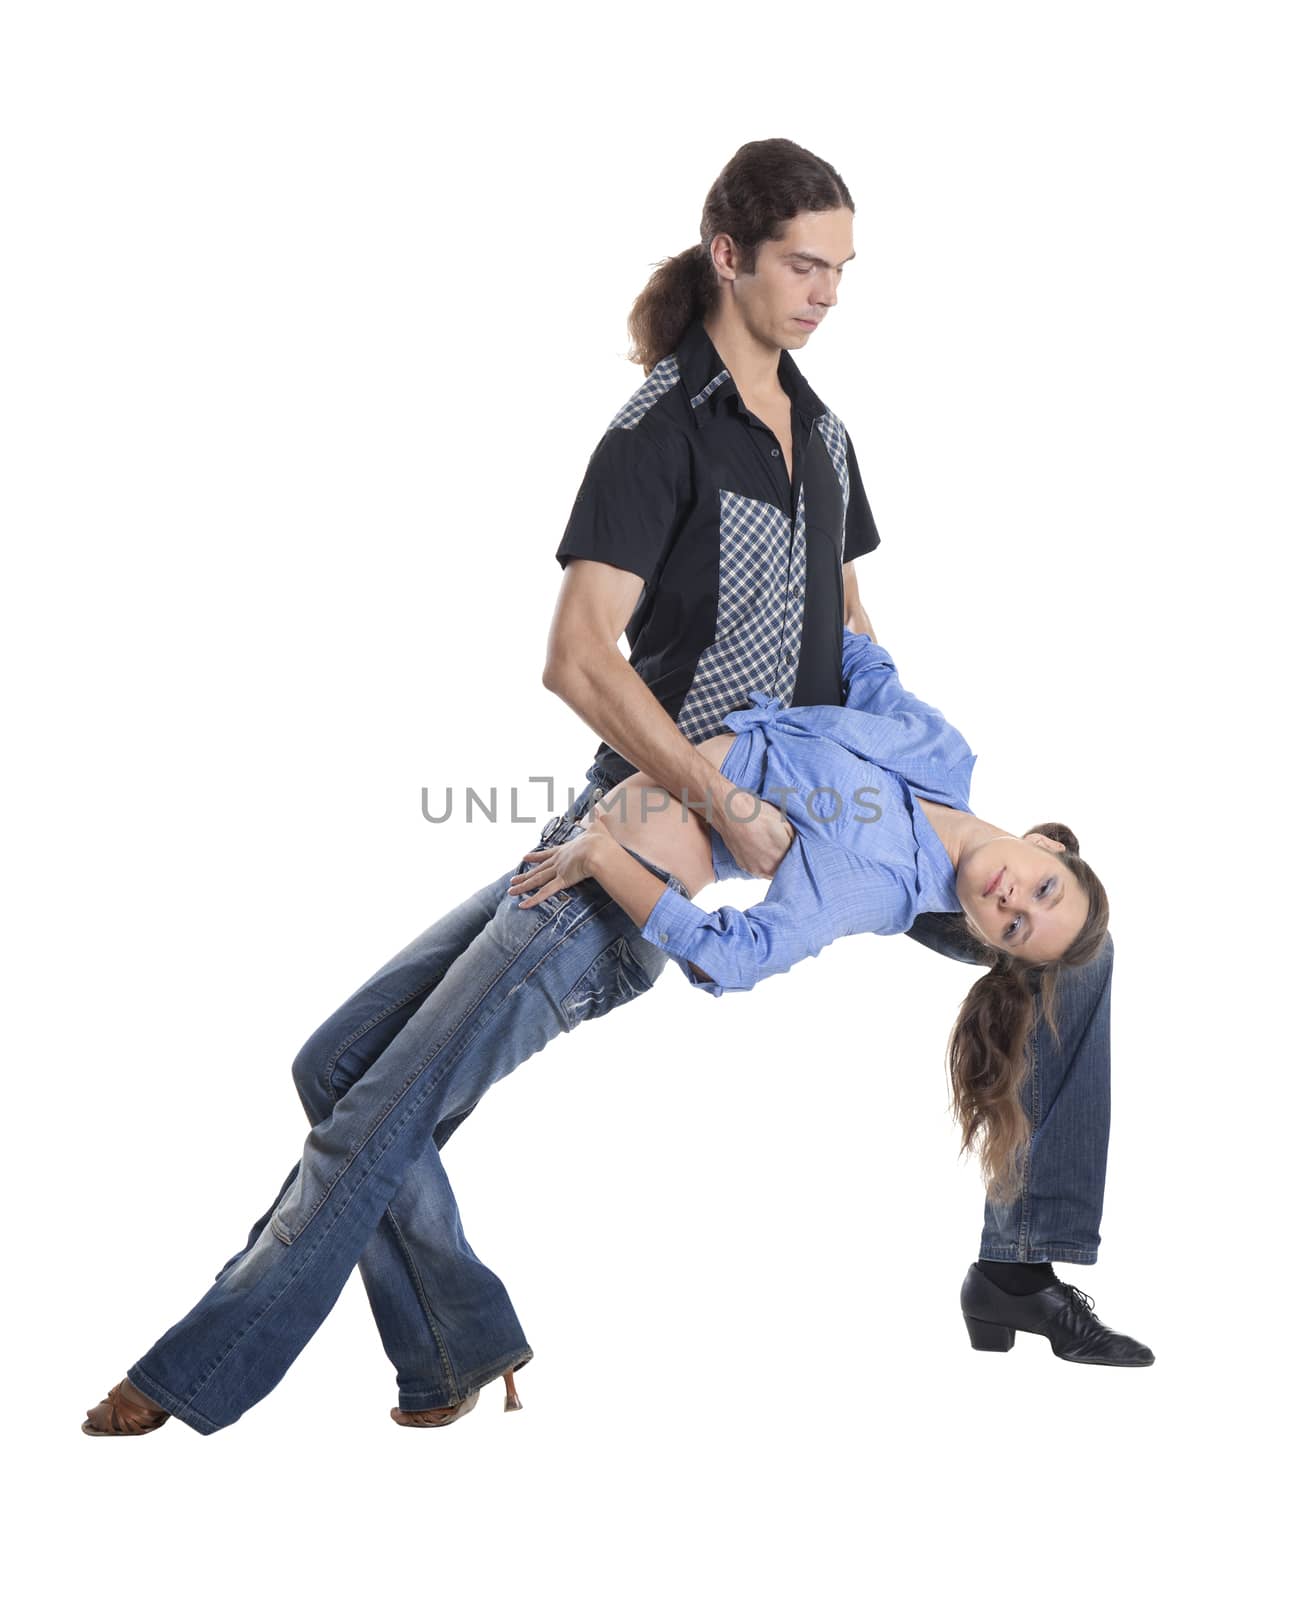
{"x":129,"y":1416}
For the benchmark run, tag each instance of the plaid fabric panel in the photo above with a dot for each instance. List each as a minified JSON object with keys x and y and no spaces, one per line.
{"x":760,"y":612}
{"x":833,"y":433}
{"x":663,"y":376}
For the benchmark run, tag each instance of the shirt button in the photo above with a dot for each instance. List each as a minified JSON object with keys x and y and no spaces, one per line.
{"x":786,"y":656}
{"x":774,"y":451}
{"x":664,"y":937}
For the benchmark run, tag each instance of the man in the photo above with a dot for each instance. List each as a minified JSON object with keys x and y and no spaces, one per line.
{"x":717,"y":528}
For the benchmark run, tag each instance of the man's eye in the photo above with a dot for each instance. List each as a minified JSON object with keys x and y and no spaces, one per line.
{"x":802,"y":270}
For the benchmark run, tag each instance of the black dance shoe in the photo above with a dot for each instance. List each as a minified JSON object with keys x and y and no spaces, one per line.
{"x":1060,"y":1312}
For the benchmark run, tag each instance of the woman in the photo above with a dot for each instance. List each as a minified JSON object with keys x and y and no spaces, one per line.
{"x":370,"y":1188}
{"x":1032,"y":903}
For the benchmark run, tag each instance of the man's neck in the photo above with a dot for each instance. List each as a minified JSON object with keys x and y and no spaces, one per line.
{"x":752,"y":364}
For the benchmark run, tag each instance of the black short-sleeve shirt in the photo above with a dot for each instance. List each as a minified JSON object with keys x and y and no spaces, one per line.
{"x":741,"y":565}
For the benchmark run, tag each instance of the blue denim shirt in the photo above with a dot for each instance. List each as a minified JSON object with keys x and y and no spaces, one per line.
{"x":864,"y":858}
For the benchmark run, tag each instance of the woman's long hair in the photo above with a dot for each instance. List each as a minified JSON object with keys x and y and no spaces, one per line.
{"x":764,"y":185}
{"x":988,"y":1061}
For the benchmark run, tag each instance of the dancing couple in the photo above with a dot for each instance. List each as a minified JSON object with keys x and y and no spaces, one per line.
{"x":757,"y":730}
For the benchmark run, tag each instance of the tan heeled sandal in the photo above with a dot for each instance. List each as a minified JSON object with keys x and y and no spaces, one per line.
{"x":442,"y":1416}
{"x":125,"y":1413}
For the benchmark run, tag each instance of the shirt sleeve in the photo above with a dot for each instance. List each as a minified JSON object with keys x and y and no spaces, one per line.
{"x":627,"y":506}
{"x":928,"y":746}
{"x":861,"y":534}
{"x":820,"y":892}
{"x":869,"y":681}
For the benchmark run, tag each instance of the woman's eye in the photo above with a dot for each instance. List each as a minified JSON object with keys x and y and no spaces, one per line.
{"x":1011,"y":928}
{"x":1046,"y":887}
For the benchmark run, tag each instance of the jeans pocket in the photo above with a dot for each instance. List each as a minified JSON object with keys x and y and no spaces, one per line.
{"x":617,"y":975}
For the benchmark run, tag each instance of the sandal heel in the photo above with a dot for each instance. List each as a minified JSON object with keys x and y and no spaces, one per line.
{"x":511,"y":1402}
{"x":989,"y":1335}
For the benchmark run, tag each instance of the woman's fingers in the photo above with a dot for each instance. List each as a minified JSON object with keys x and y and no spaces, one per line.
{"x":534,"y":882}
{"x":530,"y":856}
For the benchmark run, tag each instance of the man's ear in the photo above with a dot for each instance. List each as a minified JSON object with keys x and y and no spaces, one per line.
{"x":1055,"y":845}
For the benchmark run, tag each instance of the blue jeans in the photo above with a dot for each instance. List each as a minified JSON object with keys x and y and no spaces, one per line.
{"x":1067,"y":1097}
{"x":385,"y":1081}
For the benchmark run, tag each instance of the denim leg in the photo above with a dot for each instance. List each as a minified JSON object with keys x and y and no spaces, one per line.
{"x":370,"y":1018}
{"x":1067,"y":1097}
{"x":1058,"y":1214}
{"x":529,"y":974}
{"x":441,"y":1313}
{"x":439,"y":1310}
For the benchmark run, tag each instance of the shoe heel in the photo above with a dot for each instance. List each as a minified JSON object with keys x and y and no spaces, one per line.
{"x":511,"y":1402}
{"x":989,"y":1335}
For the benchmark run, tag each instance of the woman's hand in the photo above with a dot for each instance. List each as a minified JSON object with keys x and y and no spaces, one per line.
{"x":560,"y":866}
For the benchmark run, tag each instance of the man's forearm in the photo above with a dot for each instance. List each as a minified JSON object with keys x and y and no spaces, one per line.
{"x":603,"y":690}
{"x":854,"y":616}
{"x":856,"y":619}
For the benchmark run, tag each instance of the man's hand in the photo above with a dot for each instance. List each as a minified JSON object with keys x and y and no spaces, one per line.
{"x":757,"y":843}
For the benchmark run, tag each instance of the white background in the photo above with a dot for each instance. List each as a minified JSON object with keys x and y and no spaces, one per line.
{"x":313,"y":316}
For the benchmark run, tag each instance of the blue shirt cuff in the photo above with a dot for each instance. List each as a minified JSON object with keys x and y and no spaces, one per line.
{"x":672,"y":926}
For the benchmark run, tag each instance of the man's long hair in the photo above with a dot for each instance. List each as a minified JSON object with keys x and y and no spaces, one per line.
{"x":764,"y":185}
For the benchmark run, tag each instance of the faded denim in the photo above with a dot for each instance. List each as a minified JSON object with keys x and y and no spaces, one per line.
{"x":385,"y":1081}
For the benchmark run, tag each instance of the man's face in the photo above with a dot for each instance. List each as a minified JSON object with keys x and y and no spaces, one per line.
{"x":795,"y":279}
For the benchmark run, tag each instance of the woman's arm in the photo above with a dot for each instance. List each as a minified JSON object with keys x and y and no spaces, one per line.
{"x":869,"y":681}
{"x":820,"y":892}
{"x":593,"y":853}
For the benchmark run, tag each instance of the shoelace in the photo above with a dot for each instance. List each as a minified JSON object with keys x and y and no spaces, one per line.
{"x":1082,"y":1302}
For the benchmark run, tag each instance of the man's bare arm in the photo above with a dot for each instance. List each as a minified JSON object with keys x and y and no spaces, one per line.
{"x":856,"y":618}
{"x":585,"y":668}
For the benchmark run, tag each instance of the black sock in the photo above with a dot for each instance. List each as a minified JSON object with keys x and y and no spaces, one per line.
{"x":1018,"y":1277}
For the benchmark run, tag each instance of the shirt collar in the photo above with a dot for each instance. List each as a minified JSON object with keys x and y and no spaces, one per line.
{"x":708,"y":385}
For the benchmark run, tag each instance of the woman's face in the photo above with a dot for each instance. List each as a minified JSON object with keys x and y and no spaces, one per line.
{"x":1020,"y":896}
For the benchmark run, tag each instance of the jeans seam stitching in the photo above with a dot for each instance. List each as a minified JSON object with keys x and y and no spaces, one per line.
{"x":446,"y":1365}
{"x":1024,"y":1240}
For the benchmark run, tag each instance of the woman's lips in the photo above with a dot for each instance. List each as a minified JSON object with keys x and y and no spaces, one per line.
{"x":993,"y":882}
